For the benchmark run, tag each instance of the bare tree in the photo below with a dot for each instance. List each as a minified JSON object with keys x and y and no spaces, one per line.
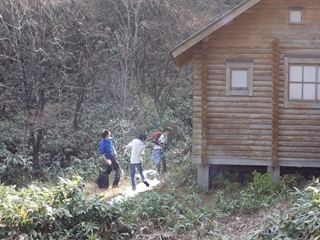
{"x":139,"y":33}
{"x":25,"y":44}
{"x":56,"y":60}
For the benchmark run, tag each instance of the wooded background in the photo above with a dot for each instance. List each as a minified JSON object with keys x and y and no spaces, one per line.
{"x":70,"y":68}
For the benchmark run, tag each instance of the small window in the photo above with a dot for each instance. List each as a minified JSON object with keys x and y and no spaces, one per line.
{"x":302,"y":82}
{"x":239,"y":77}
{"x":296,"y":15}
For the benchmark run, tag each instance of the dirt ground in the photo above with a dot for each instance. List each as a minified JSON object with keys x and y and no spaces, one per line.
{"x":92,"y":188}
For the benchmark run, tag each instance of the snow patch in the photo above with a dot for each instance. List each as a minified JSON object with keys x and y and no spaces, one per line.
{"x":150,"y":176}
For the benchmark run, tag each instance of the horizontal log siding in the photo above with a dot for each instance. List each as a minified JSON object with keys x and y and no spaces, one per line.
{"x":299,"y":129}
{"x":240,"y":127}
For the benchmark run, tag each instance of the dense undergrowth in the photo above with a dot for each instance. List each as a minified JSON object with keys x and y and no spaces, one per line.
{"x":301,"y":222}
{"x":177,"y":206}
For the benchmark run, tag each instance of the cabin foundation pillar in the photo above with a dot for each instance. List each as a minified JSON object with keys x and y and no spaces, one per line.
{"x":203,"y":176}
{"x":275,"y":171}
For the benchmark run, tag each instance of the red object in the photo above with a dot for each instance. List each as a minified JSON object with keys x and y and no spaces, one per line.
{"x":155,"y":137}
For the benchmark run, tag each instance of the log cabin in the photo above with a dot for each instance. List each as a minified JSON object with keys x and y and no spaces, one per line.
{"x":256,"y":87}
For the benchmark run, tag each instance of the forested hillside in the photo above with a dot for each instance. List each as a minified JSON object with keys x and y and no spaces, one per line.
{"x":71,"y":68}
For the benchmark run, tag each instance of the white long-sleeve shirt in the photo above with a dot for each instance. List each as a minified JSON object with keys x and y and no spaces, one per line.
{"x":162,"y":140}
{"x":137,"y":149}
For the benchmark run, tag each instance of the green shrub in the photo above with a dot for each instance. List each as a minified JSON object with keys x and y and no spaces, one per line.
{"x":303,"y":220}
{"x":300,"y":221}
{"x":261,"y":193}
{"x":51,"y":213}
{"x":15,"y":169}
{"x":172,"y":210}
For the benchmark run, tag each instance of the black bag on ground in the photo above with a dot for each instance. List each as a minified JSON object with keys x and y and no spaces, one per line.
{"x":103,"y":180}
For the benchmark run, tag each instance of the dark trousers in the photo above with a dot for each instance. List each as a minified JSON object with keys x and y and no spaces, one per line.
{"x":164,"y":165}
{"x":117,"y":172}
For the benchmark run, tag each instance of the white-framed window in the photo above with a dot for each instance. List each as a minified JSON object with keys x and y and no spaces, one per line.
{"x":302,"y":82}
{"x":296,"y":15}
{"x":239,"y":77}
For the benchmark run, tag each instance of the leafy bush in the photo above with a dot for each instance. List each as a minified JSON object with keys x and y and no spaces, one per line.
{"x":262,"y":193}
{"x":300,"y":221}
{"x":15,"y":169}
{"x":41,"y":213}
{"x":303,"y":220}
{"x":50,"y":213}
{"x":171,"y":211}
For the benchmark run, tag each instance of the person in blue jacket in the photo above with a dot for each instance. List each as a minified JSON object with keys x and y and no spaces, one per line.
{"x":109,"y":155}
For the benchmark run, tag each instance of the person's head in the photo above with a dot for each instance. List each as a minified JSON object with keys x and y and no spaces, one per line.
{"x":142,"y":137}
{"x":167,"y":131}
{"x":106,"y":134}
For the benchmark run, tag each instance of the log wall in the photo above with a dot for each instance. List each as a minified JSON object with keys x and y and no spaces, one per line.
{"x":241,"y":129}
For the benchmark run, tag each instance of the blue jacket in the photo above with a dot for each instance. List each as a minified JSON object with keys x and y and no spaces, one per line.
{"x":106,"y":148}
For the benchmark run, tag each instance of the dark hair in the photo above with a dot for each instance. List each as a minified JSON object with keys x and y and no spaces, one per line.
{"x":105,"y":133}
{"x":167,"y":129}
{"x":142,"y":137}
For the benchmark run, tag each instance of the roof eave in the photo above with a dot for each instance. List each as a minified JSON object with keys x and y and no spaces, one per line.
{"x":181,"y":53}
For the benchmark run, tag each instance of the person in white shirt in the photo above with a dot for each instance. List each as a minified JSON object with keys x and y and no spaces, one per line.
{"x":158,"y":154}
{"x":137,"y":149}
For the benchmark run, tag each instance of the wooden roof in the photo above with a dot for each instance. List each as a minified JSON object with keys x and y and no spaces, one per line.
{"x":183,"y":53}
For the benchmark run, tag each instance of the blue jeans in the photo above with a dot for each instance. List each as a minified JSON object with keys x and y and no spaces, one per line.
{"x":158,"y":156}
{"x":133,"y":167}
